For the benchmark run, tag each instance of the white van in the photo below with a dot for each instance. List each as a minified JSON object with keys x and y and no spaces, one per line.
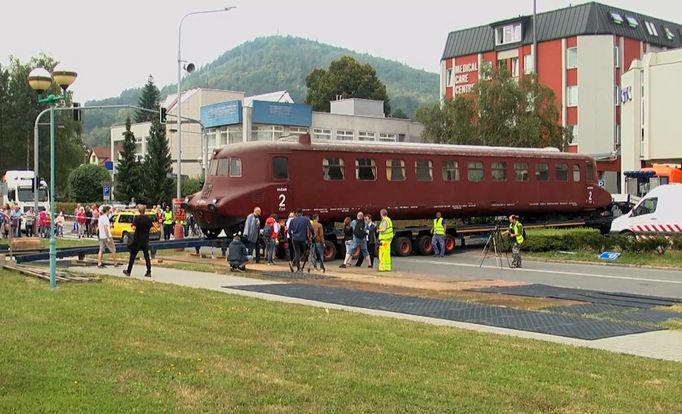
{"x":658,"y":212}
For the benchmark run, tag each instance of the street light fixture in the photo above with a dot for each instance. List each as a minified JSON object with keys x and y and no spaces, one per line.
{"x":40,"y":81}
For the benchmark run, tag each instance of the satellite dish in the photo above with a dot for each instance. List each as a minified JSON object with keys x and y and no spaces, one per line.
{"x":190,"y":67}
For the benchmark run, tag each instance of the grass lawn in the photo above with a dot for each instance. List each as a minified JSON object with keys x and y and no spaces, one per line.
{"x":671,"y":258}
{"x":126,"y":345}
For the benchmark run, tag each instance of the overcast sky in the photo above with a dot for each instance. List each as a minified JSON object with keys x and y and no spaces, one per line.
{"x":114,"y":45}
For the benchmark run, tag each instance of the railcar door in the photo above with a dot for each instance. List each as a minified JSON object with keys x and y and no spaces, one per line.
{"x":280,"y":179}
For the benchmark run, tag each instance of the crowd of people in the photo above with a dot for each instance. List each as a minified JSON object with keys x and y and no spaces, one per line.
{"x":16,"y":223}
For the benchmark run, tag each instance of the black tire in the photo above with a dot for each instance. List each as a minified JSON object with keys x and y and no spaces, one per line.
{"x":330,"y":251}
{"x":211,"y":233}
{"x":423,"y":245}
{"x":401,"y":246}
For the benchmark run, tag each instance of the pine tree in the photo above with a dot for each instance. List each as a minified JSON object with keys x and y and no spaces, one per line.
{"x":157,"y":165}
{"x":128,"y":170}
{"x":149,"y":100}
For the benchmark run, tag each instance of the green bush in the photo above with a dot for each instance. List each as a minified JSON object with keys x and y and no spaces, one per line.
{"x":65,"y":207}
{"x":85,"y":183}
{"x":676,"y":243}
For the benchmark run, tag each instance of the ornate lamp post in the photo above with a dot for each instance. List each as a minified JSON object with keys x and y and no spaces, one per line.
{"x":40,"y":81}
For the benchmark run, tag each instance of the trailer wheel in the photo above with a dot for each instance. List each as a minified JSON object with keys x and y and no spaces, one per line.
{"x":424,"y":246}
{"x":402,"y":246}
{"x":450,"y":244}
{"x":330,"y":251}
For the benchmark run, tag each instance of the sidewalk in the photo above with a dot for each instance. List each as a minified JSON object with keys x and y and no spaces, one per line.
{"x":666,"y":345}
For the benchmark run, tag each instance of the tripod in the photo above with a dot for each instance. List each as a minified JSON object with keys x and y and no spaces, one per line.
{"x":494,"y":239}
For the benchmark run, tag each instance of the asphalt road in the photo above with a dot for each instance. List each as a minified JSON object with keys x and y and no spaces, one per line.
{"x":464,"y":265}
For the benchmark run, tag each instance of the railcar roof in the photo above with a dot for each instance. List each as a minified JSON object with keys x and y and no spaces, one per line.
{"x":393,"y":148}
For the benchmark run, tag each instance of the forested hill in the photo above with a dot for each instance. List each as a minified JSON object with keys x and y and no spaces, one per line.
{"x":276,"y":63}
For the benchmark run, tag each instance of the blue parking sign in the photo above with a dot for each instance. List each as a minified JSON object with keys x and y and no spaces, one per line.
{"x":609,"y":255}
{"x":106,"y":191}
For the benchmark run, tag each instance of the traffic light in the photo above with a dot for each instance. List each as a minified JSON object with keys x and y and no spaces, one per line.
{"x":76,"y":112}
{"x":162,"y":116}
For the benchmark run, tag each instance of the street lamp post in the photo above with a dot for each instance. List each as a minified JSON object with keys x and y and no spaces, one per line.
{"x":40,"y":81}
{"x":179,"y":95}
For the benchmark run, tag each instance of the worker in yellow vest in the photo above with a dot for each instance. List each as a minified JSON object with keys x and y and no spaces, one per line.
{"x":516,"y":233}
{"x":385,"y":238}
{"x":167,"y":223}
{"x":438,"y":238}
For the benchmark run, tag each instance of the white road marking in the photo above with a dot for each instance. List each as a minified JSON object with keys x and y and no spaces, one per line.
{"x":557,"y":272}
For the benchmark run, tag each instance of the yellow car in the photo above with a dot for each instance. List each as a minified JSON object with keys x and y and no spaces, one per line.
{"x":122,"y":229}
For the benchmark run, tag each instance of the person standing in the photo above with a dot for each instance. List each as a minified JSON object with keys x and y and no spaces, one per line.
{"x":252,"y":232}
{"x":80,"y":219}
{"x":438,"y":238}
{"x":88,"y":222}
{"x":95,"y":217}
{"x":299,"y":230}
{"x":142,"y":223}
{"x":515,"y":232}
{"x":318,"y":238}
{"x":360,"y":236}
{"x":167,"y":223}
{"x":30,"y":218}
{"x":42,"y":231}
{"x":290,"y":244}
{"x":59,"y":224}
{"x":371,"y":241}
{"x":385,"y":238}
{"x":105,"y":239}
{"x":271,"y":234}
{"x":16,"y":221}
{"x":347,"y":242}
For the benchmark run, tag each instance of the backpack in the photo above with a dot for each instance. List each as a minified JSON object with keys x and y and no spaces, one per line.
{"x":523,"y":231}
{"x":268,"y":230}
{"x":359,"y":230}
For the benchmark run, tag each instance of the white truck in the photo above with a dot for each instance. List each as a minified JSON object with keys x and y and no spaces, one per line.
{"x":20,"y":191}
{"x":657,"y":213}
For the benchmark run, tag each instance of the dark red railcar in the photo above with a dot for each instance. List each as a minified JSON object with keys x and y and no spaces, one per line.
{"x":412,"y":181}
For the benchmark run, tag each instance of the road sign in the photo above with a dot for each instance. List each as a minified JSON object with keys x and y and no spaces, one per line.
{"x":609,"y":255}
{"x":602,"y":183}
{"x":106,"y":191}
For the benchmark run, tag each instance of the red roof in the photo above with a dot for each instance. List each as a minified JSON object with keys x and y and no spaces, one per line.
{"x":102,"y":153}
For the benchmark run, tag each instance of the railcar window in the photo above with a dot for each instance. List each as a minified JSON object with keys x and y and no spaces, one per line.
{"x":424,"y":170}
{"x":576,"y":173}
{"x":332,"y":169}
{"x":235,"y":167}
{"x":395,"y":170}
{"x":365,"y":169}
{"x":213,"y":168}
{"x":280,"y":168}
{"x":589,"y":173}
{"x":499,"y":171}
{"x":223,"y":166}
{"x":542,"y":171}
{"x":450,"y":170}
{"x":475,"y":171}
{"x":521,"y":171}
{"x":562,"y":172}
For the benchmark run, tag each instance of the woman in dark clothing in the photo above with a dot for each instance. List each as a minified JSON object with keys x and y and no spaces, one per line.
{"x":348,"y":241}
{"x":371,"y":241}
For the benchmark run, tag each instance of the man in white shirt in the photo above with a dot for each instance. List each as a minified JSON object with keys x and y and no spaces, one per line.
{"x":105,"y":239}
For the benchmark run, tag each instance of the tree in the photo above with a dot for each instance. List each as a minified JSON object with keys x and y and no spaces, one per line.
{"x":149,"y":100}
{"x":347,"y":78}
{"x":499,"y":111}
{"x":191,"y":186}
{"x":157,"y":166}
{"x":128,"y":171}
{"x":399,"y":113}
{"x":85,"y":183}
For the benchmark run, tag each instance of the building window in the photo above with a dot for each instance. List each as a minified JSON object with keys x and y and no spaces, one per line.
{"x":366,"y":136}
{"x":574,"y":133}
{"x":450,"y":170}
{"x":616,"y":56}
{"x":475,"y":171}
{"x":632,"y":22}
{"x":211,"y":139}
{"x":520,"y":171}
{"x":344,"y":135}
{"x":571,"y":58}
{"x":616,"y":95}
{"x":235,"y":167}
{"x":402,"y":137}
{"x":528,"y":64}
{"x":651,"y":28}
{"x":572,"y":95}
{"x":515,"y":67}
{"x":332,"y":169}
{"x":669,"y":34}
{"x":386,"y":137}
{"x":395,"y":170}
{"x":499,"y":171}
{"x":266,"y":132}
{"x":508,"y":34}
{"x":223,"y":167}
{"x":234,"y":134}
{"x":298,"y":130}
{"x":562,"y":172}
{"x":576,"y":173}
{"x":616,"y":17}
{"x":320,"y":133}
{"x":280,"y":168}
{"x":450,"y":79}
{"x":365,"y":169}
{"x":424,"y":170}
{"x":542,"y":171}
